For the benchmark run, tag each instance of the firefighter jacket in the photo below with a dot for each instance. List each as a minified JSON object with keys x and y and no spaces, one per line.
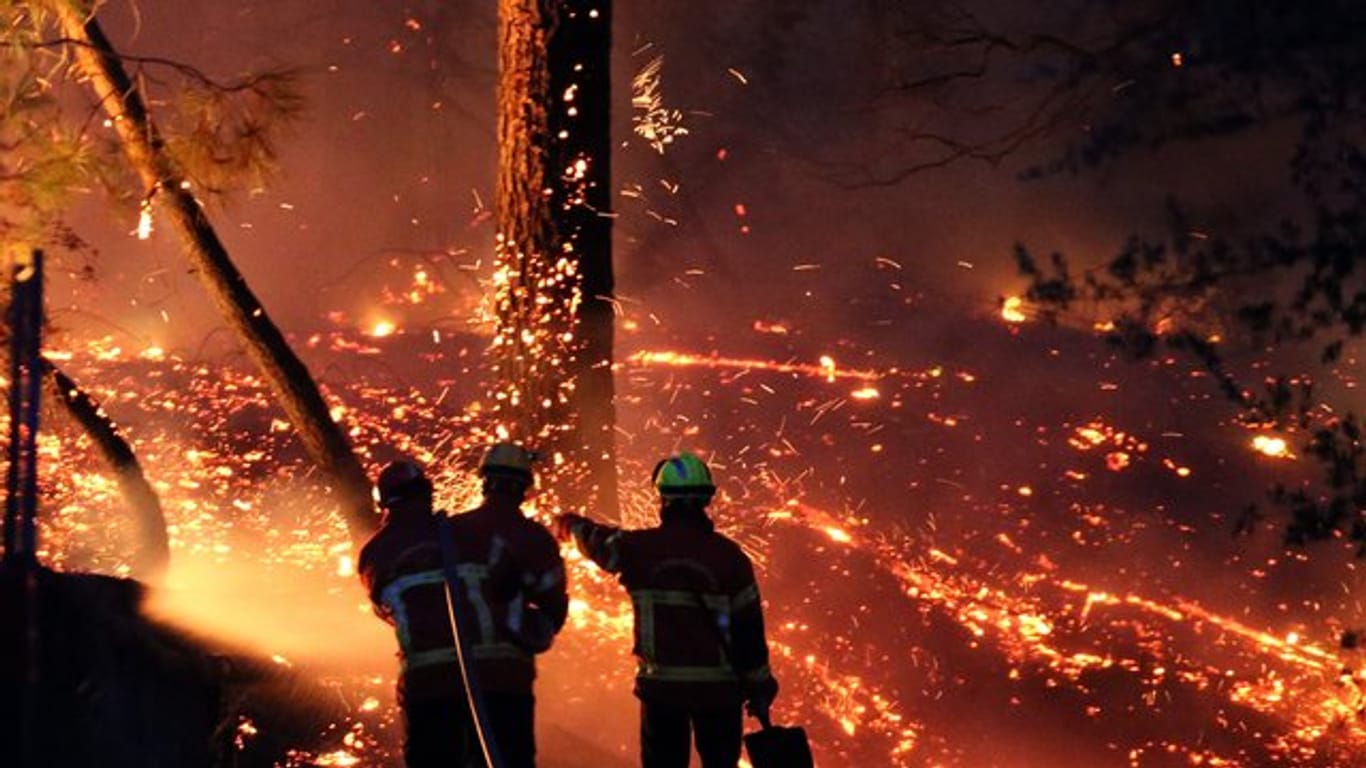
{"x":699,"y":626}
{"x":512,"y":582}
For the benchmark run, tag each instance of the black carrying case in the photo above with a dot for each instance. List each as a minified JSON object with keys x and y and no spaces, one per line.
{"x":778,"y":746}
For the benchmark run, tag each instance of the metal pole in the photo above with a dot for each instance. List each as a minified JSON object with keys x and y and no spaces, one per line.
{"x":16,"y":403}
{"x":21,"y":482}
{"x":33,"y":384}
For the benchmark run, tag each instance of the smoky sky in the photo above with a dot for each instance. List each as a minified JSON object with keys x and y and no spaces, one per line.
{"x":392,"y":164}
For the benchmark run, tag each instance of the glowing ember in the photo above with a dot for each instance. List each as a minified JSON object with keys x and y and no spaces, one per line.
{"x":144,"y":230}
{"x":382,"y":329}
{"x":1024,"y":605}
{"x":1275,"y":447}
{"x":1012,"y":310}
{"x":340,"y":758}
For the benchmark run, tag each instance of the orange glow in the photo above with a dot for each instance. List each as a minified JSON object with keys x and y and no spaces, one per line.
{"x":1046,"y":619}
{"x":826,"y":369}
{"x":144,"y":230}
{"x":1011,"y":310}
{"x":1275,"y":447}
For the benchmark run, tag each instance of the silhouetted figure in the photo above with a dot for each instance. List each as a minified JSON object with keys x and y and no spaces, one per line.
{"x":699,"y":626}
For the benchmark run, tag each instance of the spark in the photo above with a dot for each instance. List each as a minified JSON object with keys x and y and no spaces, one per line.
{"x":659,"y":125}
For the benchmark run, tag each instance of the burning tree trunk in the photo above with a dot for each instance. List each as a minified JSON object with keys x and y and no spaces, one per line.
{"x":322,"y":438}
{"x":553,"y":347}
{"x":153,"y":550}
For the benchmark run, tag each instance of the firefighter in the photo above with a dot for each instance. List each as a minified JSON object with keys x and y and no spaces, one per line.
{"x":699,"y":626}
{"x":512,"y":588}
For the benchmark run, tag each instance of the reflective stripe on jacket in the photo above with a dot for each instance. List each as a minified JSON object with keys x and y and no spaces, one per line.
{"x":513,"y":584}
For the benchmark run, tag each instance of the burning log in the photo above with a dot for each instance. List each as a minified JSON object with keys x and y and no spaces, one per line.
{"x":153,"y":548}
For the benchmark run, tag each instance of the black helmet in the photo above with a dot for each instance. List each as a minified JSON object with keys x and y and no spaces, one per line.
{"x":399,"y":480}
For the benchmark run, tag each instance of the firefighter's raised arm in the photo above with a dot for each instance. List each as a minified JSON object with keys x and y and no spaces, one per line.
{"x":599,"y":543}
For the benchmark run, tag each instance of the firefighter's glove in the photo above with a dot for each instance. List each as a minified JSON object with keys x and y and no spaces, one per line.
{"x":758,"y":708}
{"x":759,"y":696}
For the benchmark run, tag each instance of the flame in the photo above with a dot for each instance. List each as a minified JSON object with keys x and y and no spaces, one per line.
{"x":1268,"y":445}
{"x":1012,"y":310}
{"x":144,"y":230}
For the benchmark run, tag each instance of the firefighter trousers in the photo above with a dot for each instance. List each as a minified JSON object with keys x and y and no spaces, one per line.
{"x":666,"y":732}
{"x":440,"y":731}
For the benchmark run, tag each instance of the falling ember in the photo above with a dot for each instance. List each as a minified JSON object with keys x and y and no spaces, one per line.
{"x":1275,"y":447}
{"x":1012,"y":310}
{"x":866,"y":393}
{"x":145,"y":220}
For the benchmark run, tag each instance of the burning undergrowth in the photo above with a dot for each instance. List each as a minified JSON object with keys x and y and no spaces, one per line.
{"x":962,"y":568}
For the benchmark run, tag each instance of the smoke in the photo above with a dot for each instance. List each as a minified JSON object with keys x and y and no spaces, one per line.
{"x":302,"y":617}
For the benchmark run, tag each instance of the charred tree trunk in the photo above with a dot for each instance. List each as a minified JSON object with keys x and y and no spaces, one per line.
{"x":153,"y":551}
{"x":553,"y":347}
{"x":289,"y":378}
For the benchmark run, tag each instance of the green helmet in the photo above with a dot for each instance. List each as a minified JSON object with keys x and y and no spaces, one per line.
{"x":684,"y":476}
{"x":507,"y":460}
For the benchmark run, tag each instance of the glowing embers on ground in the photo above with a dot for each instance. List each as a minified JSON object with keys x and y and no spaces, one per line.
{"x":826,"y":368}
{"x":1047,"y":624}
{"x":230,"y":481}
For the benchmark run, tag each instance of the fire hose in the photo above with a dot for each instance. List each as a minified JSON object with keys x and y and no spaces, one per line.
{"x":474,"y":697}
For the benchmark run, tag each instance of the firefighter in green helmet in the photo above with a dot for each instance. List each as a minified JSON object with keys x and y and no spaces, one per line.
{"x":699,"y":625}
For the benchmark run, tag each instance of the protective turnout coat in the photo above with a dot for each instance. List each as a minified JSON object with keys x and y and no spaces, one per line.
{"x":513,"y":582}
{"x":699,"y":626}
